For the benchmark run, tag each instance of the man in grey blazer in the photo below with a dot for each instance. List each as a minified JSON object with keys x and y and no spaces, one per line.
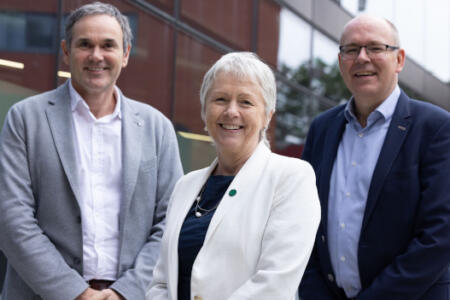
{"x":85,"y":175}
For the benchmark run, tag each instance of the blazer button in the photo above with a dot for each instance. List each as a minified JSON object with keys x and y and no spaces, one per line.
{"x":76,"y":260}
{"x":330,"y":277}
{"x":323,"y":238}
{"x":78,"y":219}
{"x":198,"y":298}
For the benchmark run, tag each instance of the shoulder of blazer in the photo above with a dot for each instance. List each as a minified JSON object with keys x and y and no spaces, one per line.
{"x":330,"y":114}
{"x":425,"y":116}
{"x":43,"y":100}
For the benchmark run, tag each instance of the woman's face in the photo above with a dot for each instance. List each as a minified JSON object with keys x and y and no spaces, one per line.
{"x":235,"y":114}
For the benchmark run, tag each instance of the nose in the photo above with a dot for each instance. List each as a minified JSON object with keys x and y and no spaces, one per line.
{"x":232,"y":109}
{"x":362,"y":55}
{"x":96,"y":54}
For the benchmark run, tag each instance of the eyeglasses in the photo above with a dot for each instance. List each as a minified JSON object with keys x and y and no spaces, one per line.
{"x":373,"y":51}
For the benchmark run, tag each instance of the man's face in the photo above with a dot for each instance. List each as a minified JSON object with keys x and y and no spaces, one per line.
{"x":96,"y":55}
{"x":370,"y":79}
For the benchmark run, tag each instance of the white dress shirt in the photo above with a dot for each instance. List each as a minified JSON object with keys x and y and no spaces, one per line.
{"x":99,"y":160}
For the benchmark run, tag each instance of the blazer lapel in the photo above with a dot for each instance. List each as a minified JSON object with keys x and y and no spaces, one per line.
{"x":132,"y":126}
{"x":332,"y":140}
{"x":59,"y":117}
{"x":247,"y":177}
{"x":398,"y":130}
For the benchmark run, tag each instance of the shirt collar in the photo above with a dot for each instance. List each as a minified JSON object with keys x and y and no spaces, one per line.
{"x":385,"y":109}
{"x":77,"y":101}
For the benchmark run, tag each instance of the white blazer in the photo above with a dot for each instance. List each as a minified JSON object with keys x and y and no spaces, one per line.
{"x":259,"y":240}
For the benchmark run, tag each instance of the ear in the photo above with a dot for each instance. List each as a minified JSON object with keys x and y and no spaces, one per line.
{"x":65,"y":51}
{"x":126,"y":55}
{"x":340,"y":63}
{"x":400,"y":60}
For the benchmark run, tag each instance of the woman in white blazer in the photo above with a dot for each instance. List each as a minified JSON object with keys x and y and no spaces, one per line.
{"x":244,"y":227}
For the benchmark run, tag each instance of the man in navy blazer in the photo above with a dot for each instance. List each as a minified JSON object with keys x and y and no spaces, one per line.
{"x":382,"y":163}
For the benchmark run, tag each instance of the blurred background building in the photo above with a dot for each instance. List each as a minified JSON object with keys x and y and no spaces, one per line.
{"x":176,"y":41}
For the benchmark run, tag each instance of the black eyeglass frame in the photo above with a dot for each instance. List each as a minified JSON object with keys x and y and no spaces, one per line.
{"x":387,"y":47}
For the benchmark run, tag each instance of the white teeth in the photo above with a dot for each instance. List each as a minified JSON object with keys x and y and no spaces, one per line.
{"x":230,"y":126}
{"x":95,"y":69}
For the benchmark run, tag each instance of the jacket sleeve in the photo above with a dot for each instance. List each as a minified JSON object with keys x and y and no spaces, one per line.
{"x":288,"y":238}
{"x":132,"y":284}
{"x":313,"y":285}
{"x":427,"y":256}
{"x":28,"y":250}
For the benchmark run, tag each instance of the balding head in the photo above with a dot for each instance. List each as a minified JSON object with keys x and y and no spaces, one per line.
{"x":370,"y":73}
{"x":364,"y":20}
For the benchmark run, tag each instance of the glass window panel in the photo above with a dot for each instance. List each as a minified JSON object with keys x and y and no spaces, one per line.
{"x":229,"y":21}
{"x":325,"y":48}
{"x":12,"y":31}
{"x":192,"y":61}
{"x":295,"y":111}
{"x":268,"y":31}
{"x":294,"y":43}
{"x":27,"y":32}
{"x":350,"y":5}
{"x":40,"y":35}
{"x":325,"y":79}
{"x":27,"y":44}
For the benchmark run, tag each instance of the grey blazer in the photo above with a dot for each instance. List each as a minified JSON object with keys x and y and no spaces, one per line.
{"x":40,"y":224}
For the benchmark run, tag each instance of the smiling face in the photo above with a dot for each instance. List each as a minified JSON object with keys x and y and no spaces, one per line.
{"x":96,"y":55}
{"x":370,"y":80}
{"x":235,"y":115}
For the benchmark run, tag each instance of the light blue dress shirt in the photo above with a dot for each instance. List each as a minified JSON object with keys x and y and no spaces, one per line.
{"x":349,"y":185}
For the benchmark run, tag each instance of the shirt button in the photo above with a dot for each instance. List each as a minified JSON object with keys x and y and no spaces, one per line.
{"x":347,"y":194}
{"x":342,"y":225}
{"x":330,"y":277}
{"x":353,"y":163}
{"x":361,"y":135}
{"x":342,"y":258}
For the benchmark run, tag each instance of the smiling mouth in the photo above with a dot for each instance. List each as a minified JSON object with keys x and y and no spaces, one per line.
{"x":95,"y":69}
{"x":364,"y":74}
{"x":230,"y":126}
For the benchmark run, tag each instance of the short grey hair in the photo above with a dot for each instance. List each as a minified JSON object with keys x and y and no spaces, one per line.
{"x":245,"y":65}
{"x":98,"y":8}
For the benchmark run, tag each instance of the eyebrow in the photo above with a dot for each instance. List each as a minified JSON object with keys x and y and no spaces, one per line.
{"x":107,"y":40}
{"x":369,"y":43}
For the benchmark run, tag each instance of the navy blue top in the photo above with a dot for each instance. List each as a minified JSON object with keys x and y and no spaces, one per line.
{"x":193,"y":231}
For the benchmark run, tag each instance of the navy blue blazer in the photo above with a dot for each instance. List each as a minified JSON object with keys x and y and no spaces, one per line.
{"x":404,"y":247}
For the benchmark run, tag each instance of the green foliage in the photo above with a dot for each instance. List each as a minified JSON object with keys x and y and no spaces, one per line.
{"x":312,"y":88}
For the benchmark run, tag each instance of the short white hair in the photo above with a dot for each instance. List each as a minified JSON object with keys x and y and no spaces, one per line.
{"x":243,"y":65}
